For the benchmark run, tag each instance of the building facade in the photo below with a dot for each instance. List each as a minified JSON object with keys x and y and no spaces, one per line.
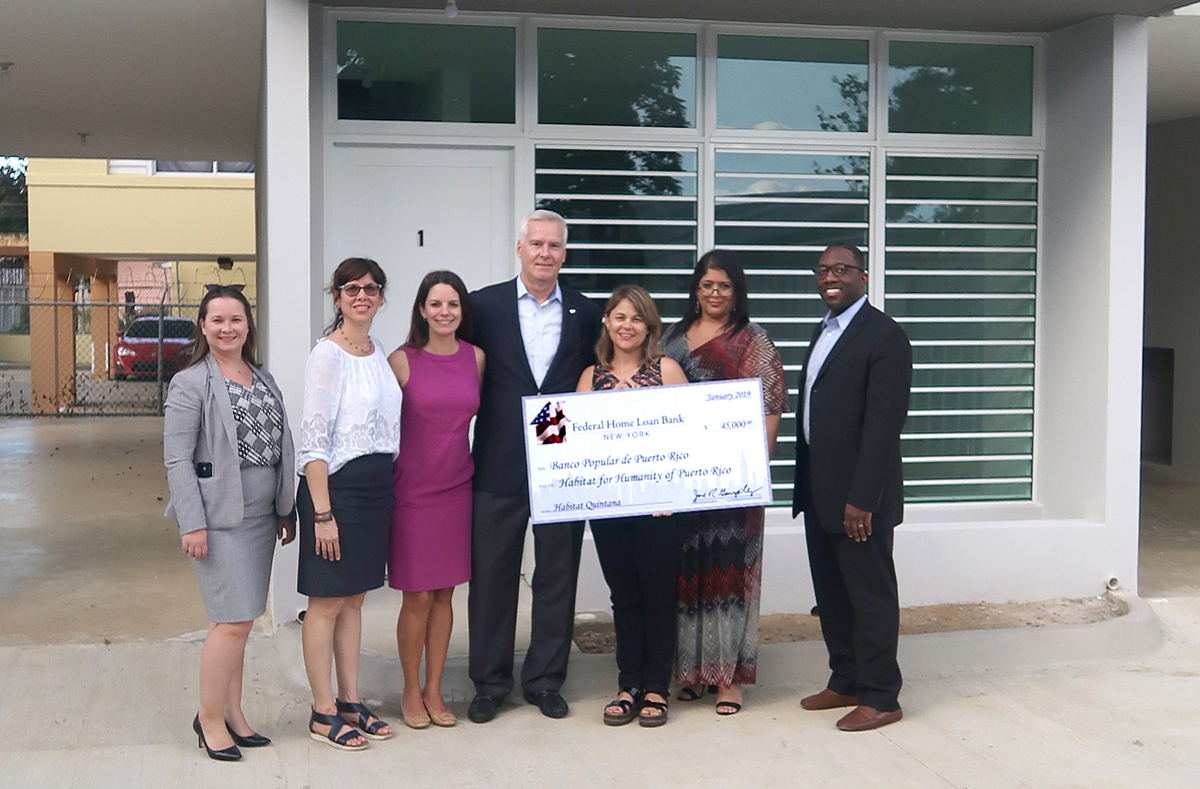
{"x":121,"y":238}
{"x":996,"y":181}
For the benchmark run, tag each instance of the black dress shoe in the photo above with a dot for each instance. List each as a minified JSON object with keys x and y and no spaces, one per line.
{"x":230,"y":754}
{"x":254,"y":740}
{"x":483,"y":708}
{"x":550,"y":702}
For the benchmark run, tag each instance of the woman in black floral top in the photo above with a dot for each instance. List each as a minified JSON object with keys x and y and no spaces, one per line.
{"x":639,"y":555}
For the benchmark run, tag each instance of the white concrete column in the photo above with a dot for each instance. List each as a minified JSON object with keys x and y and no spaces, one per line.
{"x":285,"y":253}
{"x":1090,"y":292}
{"x":1125,"y":304}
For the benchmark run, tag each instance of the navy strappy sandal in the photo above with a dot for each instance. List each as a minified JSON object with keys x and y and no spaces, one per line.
{"x":336,"y":723}
{"x":358,"y":708}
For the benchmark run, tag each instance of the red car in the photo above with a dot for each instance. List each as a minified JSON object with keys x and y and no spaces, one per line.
{"x":136,"y":353}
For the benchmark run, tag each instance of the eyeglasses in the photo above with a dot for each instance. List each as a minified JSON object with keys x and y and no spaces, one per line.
{"x":371,"y":290}
{"x":218,"y":288}
{"x":838,"y":269}
{"x":724,"y":288}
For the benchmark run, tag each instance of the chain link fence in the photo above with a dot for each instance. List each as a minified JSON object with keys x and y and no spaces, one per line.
{"x":85,"y":358}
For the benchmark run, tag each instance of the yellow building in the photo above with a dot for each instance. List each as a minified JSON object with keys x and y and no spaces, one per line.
{"x":132,"y":237}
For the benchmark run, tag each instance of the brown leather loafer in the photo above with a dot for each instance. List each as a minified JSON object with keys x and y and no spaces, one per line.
{"x":828,"y":700}
{"x":864,"y":718}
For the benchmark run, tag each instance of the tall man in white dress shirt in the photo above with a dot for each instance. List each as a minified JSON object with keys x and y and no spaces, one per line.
{"x":538,"y":335}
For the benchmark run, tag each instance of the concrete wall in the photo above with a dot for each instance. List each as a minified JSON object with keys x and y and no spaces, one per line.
{"x":1173,"y":273}
{"x":14,"y":349}
{"x":285,"y":252}
{"x":1089,"y":372}
{"x":76,"y":206}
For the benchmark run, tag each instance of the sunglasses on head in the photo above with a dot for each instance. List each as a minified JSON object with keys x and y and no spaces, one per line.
{"x":225,"y":288}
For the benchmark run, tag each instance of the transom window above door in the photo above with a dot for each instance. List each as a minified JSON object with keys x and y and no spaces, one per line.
{"x":393,"y":71}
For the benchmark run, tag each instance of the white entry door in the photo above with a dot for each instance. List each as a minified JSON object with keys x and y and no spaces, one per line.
{"x":415,"y":209}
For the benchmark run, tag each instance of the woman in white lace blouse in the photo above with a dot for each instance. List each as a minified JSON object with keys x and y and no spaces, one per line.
{"x":349,"y":437}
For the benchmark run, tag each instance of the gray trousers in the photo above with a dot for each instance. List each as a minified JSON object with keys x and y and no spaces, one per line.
{"x":497,"y":543}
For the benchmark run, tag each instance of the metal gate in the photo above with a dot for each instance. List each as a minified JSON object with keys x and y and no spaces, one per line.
{"x":85,"y":358}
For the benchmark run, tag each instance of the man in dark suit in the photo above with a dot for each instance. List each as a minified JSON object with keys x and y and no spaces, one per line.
{"x":538,"y":335}
{"x":850,"y":486}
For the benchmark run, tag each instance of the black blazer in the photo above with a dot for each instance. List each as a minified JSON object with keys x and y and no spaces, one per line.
{"x":859,"y":406}
{"x":499,"y":438}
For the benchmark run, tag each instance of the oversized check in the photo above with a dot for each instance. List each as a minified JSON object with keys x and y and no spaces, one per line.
{"x":620,"y":452}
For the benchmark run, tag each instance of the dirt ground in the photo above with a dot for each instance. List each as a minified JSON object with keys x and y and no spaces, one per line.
{"x":598,"y":637}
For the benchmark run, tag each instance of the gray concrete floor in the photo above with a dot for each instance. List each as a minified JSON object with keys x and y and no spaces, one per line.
{"x":98,"y":672}
{"x":85,"y":553}
{"x":1169,"y":562}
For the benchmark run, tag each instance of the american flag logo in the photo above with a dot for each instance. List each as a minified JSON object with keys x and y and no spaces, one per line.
{"x":550,"y":424}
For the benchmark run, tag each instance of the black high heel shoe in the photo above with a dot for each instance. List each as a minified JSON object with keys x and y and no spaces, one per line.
{"x":254,"y":740}
{"x":230,"y":754}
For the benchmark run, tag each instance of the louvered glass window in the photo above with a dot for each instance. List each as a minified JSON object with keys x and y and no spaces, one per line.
{"x":631,"y":216}
{"x":779,"y":211}
{"x":961,"y":250}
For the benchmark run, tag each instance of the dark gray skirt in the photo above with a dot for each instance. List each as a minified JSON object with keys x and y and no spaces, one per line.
{"x":360,"y":494}
{"x":235,"y":574}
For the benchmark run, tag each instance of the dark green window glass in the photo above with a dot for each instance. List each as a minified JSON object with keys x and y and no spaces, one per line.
{"x":961,"y":245}
{"x":632,"y":216}
{"x":778,"y":211}
{"x":616,"y":78}
{"x":803,"y":84}
{"x":391,"y":71}
{"x":943,"y":88}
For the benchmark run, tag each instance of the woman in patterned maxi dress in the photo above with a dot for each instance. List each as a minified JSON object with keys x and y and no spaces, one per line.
{"x":721,"y":575}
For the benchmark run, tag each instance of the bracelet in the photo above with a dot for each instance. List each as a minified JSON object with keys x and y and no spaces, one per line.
{"x":323,"y":517}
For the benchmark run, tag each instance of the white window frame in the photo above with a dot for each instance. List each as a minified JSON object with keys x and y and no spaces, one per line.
{"x":131,"y":167}
{"x":149,"y":167}
{"x":945,"y":142}
{"x":526,"y":133}
{"x":660,"y":134}
{"x":361,"y":130}
{"x":791,"y":31}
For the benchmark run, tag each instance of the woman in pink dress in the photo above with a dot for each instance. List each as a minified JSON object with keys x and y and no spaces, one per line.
{"x":430,"y":551}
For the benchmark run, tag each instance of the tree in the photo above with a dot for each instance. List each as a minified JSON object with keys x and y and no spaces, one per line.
{"x":14,"y":202}
{"x":938,"y":99}
{"x":853,"y":117}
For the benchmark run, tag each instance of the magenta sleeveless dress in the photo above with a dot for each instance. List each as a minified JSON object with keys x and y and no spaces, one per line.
{"x":431,"y":515}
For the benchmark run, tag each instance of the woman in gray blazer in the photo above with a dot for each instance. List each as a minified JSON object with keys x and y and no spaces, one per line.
{"x":230,"y":469}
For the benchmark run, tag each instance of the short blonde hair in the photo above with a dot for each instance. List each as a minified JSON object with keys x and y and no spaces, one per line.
{"x":643,"y":303}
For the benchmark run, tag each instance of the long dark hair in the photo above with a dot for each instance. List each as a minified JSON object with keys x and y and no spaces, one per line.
{"x":644,"y":305}
{"x":200,"y":349}
{"x":349,"y":270}
{"x":418,"y":330}
{"x":731,"y":264}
